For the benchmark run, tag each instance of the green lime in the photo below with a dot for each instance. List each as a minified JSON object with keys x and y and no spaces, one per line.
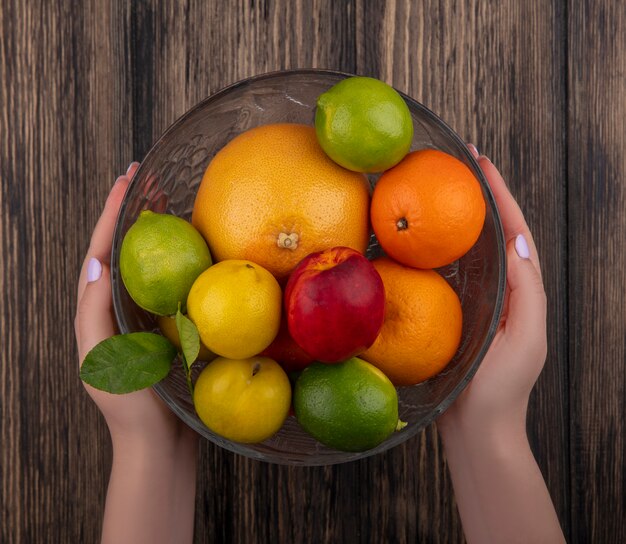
{"x":161,"y":257}
{"x":363,"y":124}
{"x":348,"y":406}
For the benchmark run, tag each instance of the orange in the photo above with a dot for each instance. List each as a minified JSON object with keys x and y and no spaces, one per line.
{"x":272,"y":196}
{"x":428,"y":210}
{"x":422,"y":327}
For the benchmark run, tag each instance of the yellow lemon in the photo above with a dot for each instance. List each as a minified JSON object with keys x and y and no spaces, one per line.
{"x":236,"y":307}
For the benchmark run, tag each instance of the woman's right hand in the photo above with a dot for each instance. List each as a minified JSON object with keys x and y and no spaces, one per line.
{"x":498,"y":487}
{"x":498,"y":394}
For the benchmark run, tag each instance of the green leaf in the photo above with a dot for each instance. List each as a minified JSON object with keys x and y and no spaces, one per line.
{"x":128,"y":362}
{"x":189,"y":338}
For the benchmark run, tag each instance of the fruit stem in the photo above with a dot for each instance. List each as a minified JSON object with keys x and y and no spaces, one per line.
{"x":187,"y":371}
{"x":402,"y":224}
{"x":401,"y":425}
{"x":287,"y":241}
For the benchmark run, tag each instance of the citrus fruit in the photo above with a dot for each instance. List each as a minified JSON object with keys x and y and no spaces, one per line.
{"x":245,"y":400}
{"x":348,"y":406}
{"x":422,"y":327}
{"x":428,"y":210}
{"x":161,"y":257}
{"x":236,"y":306}
{"x":272,"y":196}
{"x":167,"y":325}
{"x":363,"y":124}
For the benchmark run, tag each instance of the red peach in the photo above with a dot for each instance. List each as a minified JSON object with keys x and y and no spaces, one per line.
{"x":335,"y":304}
{"x":286,"y":351}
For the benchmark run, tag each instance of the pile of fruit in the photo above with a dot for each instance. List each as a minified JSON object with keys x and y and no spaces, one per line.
{"x":292,"y":314}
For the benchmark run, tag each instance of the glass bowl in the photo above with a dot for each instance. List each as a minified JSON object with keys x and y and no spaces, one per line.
{"x":167,"y":181}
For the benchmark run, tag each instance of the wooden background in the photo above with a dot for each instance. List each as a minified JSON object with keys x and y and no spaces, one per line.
{"x":86,"y":87}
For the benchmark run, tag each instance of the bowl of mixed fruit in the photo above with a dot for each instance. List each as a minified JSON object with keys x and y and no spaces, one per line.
{"x":308,"y":267}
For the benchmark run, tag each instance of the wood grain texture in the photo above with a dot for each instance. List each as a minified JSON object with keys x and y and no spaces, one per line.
{"x":87,"y":87}
{"x":597,"y":271}
{"x":184,"y":51}
{"x":475,"y":66}
{"x":65,"y":108}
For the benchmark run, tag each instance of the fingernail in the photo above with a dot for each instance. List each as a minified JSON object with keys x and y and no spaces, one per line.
{"x":474,"y":150}
{"x":521,"y":247}
{"x":129,"y":167}
{"x":94,"y":270}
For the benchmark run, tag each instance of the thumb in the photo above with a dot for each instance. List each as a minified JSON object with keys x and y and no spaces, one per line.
{"x":94,"y":319}
{"x":526,"y":314}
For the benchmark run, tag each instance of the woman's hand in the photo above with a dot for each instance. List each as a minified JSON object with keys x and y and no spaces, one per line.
{"x":152,"y":486}
{"x":499,"y":489}
{"x":498,"y":394}
{"x":136,"y":416}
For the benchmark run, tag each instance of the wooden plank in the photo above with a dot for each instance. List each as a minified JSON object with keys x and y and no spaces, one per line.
{"x":491,"y":71}
{"x":185,"y":51}
{"x":597,"y":237}
{"x":65,"y":110}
